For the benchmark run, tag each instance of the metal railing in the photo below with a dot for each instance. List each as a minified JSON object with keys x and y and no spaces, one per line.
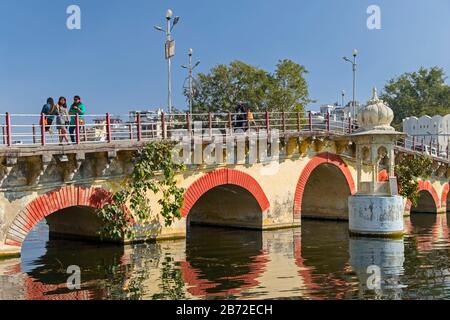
{"x":27,"y":130}
{"x":34,"y":130}
{"x":418,"y":145}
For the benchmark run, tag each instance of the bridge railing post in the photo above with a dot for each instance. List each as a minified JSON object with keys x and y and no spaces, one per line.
{"x":77,"y":129}
{"x":138,"y":126}
{"x":328,"y":121}
{"x":8,"y":130}
{"x":414,"y":143}
{"x":108,"y":127}
{"x":350,"y":125}
{"x":283,"y":119}
{"x":163,"y":125}
{"x":310,"y":120}
{"x":230,"y":122}
{"x":33,"y":131}
{"x":299,"y":123}
{"x":210,"y":123}
{"x":188,"y":124}
{"x":43,"y":124}
{"x":130,"y":131}
{"x":3,"y":135}
{"x":267,"y":122}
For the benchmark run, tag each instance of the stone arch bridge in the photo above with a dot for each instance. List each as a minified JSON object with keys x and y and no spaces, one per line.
{"x":313,"y":176}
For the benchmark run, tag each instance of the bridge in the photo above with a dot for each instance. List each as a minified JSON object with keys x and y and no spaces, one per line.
{"x":310,"y":168}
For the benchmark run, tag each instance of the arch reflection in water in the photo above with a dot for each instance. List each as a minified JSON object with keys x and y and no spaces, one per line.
{"x":225,"y":265}
{"x":368,"y":256}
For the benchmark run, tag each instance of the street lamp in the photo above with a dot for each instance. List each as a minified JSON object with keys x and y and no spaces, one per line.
{"x":190,"y":69}
{"x":169,"y":52}
{"x":353,"y":62}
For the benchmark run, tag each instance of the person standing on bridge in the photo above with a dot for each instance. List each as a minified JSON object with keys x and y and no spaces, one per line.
{"x":48,"y":110}
{"x":79,"y":109}
{"x":250,"y":119}
{"x":62,"y":119}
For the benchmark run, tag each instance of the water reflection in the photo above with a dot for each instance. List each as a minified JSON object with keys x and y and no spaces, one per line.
{"x":379,"y":266}
{"x":318,"y":261}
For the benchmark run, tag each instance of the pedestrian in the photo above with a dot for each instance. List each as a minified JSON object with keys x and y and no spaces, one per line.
{"x":239,"y":117}
{"x":79,"y":109}
{"x":62,"y":119}
{"x":250,"y":119}
{"x":47,"y":110}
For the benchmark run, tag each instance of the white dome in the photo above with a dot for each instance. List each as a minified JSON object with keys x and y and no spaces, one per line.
{"x":376,"y":115}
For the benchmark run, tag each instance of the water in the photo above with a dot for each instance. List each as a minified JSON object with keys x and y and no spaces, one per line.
{"x":316,"y":261}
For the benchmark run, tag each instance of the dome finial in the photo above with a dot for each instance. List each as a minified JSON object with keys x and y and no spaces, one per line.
{"x":375,"y":94}
{"x":375,"y":98}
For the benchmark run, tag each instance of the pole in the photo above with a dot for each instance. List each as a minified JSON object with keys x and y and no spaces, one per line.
{"x":354,"y":87}
{"x":169,"y":67}
{"x":191,"y":93}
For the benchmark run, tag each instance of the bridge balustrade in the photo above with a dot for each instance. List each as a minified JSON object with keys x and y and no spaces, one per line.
{"x":27,"y":130}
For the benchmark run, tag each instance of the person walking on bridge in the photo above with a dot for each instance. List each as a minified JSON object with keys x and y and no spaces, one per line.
{"x":79,"y":109}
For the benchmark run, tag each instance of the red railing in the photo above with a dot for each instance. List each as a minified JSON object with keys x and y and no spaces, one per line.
{"x":40,"y":130}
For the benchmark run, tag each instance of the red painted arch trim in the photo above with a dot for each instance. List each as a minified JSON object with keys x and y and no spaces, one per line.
{"x":221,"y":177}
{"x":445,"y":195}
{"x":52,"y":202}
{"x":322,"y":158}
{"x":427,"y":186}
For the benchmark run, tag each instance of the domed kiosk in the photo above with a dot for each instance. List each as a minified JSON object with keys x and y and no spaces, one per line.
{"x":376,"y":209}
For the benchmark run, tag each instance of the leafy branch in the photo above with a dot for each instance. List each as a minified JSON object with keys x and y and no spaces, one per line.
{"x":408,"y":170}
{"x":154,"y":171}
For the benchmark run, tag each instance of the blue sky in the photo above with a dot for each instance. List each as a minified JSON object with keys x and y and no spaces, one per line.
{"x":115,"y":62}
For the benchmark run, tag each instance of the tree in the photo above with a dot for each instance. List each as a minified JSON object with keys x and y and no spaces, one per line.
{"x":408,"y":170}
{"x":417,"y":94}
{"x":225,"y":85}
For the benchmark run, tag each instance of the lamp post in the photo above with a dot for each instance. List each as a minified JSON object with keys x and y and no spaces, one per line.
{"x":169,"y":52}
{"x":343,"y":98}
{"x":353,"y":62}
{"x":190,"y":69}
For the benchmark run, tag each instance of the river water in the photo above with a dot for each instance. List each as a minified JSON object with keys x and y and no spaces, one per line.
{"x":317,"y":261}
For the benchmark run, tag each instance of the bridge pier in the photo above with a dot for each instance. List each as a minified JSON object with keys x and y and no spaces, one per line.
{"x":377,"y":209}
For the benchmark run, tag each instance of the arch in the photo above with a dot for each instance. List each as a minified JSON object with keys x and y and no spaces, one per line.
{"x":427,"y":186}
{"x":444,"y":196}
{"x":322,"y":158}
{"x":51,"y":202}
{"x":222,"y":177}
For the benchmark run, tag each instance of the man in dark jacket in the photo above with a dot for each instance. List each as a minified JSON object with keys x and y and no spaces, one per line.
{"x":47,"y":110}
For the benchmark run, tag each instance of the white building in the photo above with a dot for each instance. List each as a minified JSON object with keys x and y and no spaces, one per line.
{"x":426,"y":130}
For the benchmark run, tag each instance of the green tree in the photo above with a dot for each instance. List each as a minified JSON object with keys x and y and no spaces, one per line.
{"x":408,"y":170}
{"x":225,"y":85}
{"x":417,"y":94}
